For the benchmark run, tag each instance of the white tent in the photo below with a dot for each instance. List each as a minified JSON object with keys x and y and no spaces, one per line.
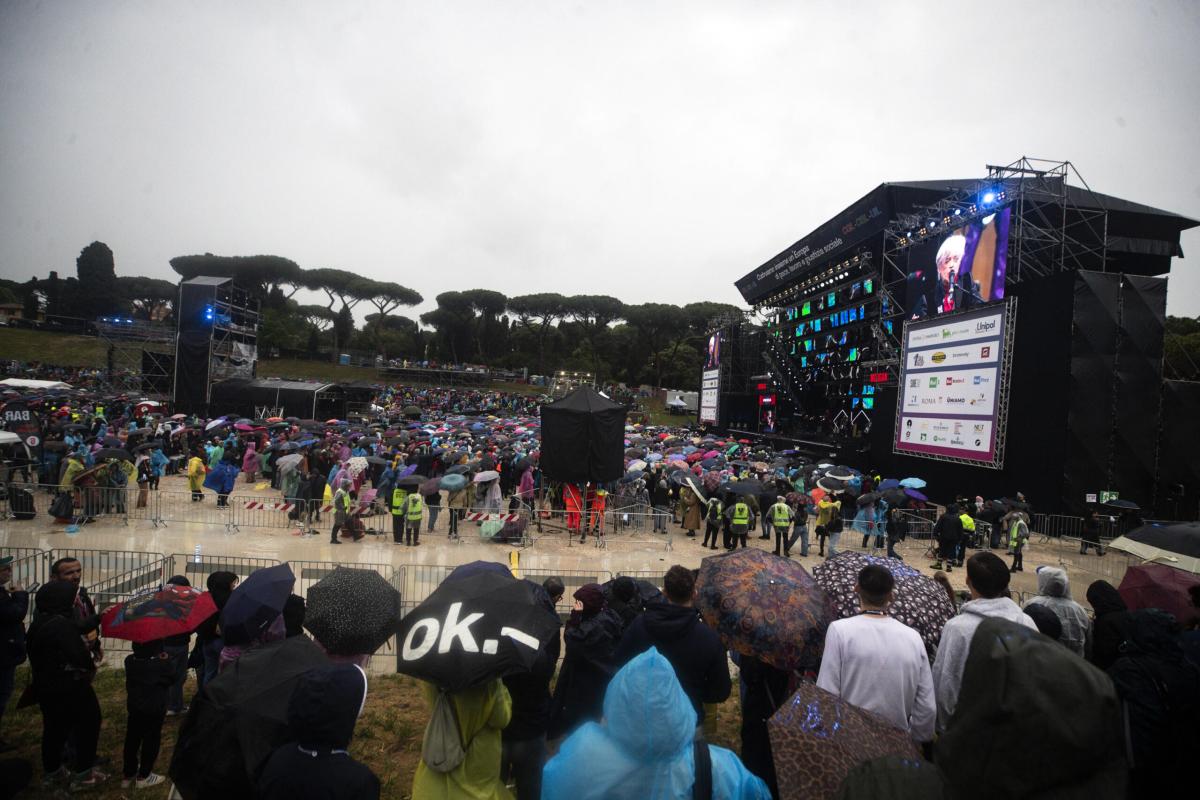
{"x":26,"y":383}
{"x":8,"y":437}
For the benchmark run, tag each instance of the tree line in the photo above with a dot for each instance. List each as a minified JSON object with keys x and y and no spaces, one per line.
{"x":656,"y":343}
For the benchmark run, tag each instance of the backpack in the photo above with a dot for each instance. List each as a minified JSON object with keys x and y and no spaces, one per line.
{"x":443,"y":750}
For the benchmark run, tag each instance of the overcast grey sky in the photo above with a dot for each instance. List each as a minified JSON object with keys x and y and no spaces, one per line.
{"x":654,"y":151}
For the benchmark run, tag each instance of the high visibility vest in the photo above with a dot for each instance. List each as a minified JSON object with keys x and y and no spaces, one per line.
{"x":967,"y":522}
{"x":415,"y":507}
{"x":741,"y":513}
{"x":782,"y":514}
{"x":715,"y":508}
{"x":398,"y":498}
{"x":342,"y":501}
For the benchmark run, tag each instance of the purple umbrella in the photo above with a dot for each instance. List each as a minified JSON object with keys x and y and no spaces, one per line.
{"x":915,"y":495}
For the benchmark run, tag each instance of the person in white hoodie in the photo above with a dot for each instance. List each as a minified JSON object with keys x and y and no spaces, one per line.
{"x":1054,"y":592}
{"x":987,"y":578}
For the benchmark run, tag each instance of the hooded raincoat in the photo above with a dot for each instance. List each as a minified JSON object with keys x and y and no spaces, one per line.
{"x":644,"y":749}
{"x":322,"y":713}
{"x":1054,"y":592}
{"x":483,"y":711}
{"x":1113,"y":624}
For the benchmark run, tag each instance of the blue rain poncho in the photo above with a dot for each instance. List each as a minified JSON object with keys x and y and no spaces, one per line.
{"x":643,"y":750}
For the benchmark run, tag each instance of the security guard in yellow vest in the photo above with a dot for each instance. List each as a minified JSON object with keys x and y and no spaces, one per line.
{"x":781,"y":519}
{"x":414,"y":509}
{"x":399,"y":498}
{"x":739,"y":515}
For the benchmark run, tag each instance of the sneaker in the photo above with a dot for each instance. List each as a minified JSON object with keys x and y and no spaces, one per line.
{"x":60,"y":775}
{"x":153,"y":779}
{"x":87,"y":780}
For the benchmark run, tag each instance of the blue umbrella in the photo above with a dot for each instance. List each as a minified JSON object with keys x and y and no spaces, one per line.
{"x":888,"y":483}
{"x":453,"y":482}
{"x":913,"y":483}
{"x":255,"y":603}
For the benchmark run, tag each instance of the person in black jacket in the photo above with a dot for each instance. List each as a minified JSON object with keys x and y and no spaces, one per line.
{"x":149,"y":674}
{"x":177,"y":648}
{"x":693,"y":648}
{"x":14,"y":605}
{"x":63,"y":669}
{"x":765,"y":690}
{"x":592,"y":635}
{"x":321,"y":714}
{"x":948,"y":530}
{"x":523,"y":742}
{"x":1112,"y":626}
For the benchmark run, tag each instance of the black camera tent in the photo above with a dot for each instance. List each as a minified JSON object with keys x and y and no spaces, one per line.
{"x":583,"y":438}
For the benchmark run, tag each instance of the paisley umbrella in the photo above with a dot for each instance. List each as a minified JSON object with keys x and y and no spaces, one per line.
{"x":921,"y":603}
{"x":764,"y":606}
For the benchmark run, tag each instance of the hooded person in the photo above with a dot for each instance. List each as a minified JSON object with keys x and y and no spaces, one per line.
{"x":62,"y":668}
{"x":1160,"y":697}
{"x":645,"y":748}
{"x":1046,"y":620}
{"x":1032,"y":722}
{"x":220,"y":585}
{"x":591,"y":637}
{"x":1112,"y":625}
{"x":1054,"y":592}
{"x":987,"y":579}
{"x":481,"y":712}
{"x":693,"y":648}
{"x":323,"y":710}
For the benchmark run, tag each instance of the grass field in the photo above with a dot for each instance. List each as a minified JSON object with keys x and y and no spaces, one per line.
{"x":387,"y":739}
{"x":51,"y":348}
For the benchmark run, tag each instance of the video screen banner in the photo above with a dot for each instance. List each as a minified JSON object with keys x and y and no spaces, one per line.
{"x":963,"y":270}
{"x":710,"y":381}
{"x":952,"y":384}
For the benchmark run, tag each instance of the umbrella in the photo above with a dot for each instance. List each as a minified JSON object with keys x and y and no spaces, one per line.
{"x":1159,"y":586}
{"x":453,"y":482}
{"x":356,"y":466}
{"x":636,"y":466}
{"x":113,"y":452}
{"x":816,"y":727}
{"x":474,"y":629}
{"x":913,"y":483}
{"x":744,"y":487}
{"x":691,"y":484}
{"x":411,"y":481}
{"x":888,"y":483}
{"x":142,"y":448}
{"x":486,"y":475}
{"x":54,"y":446}
{"x":921,"y":603}
{"x":841,"y":473}
{"x":458,"y":469}
{"x":831,"y":484}
{"x":112,"y":441}
{"x":764,"y":606}
{"x":430,"y":487}
{"x":352,"y":611}
{"x":1122,"y":505}
{"x":895,"y":496}
{"x":220,"y":422}
{"x":868,"y":498}
{"x":288,"y":463}
{"x":255,"y":603}
{"x":915,"y":495}
{"x":1177,"y":544}
{"x":377,"y":460}
{"x":240,"y":718}
{"x":647,"y":591}
{"x":158,"y":613}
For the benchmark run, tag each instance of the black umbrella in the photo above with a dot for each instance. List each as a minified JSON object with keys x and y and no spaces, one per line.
{"x":113,"y":452}
{"x":411,"y":481}
{"x":458,"y":469}
{"x":1122,"y":505}
{"x":240,"y":718}
{"x":378,"y":460}
{"x":352,"y":611}
{"x":832,"y":484}
{"x":141,"y":448}
{"x":255,"y":603}
{"x":894,"y":497}
{"x":474,"y":629}
{"x":747,"y":487}
{"x":868,"y":498}
{"x":54,"y":446}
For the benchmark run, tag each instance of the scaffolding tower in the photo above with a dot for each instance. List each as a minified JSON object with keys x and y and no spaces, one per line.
{"x":139,"y":357}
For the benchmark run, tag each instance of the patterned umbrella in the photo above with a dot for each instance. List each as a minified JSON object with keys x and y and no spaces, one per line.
{"x":764,"y":606}
{"x":817,"y":738}
{"x":920,"y":602}
{"x":356,"y":466}
{"x":158,"y":613}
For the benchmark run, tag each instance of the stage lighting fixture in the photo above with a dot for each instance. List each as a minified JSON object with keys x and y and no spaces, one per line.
{"x":957,"y":211}
{"x":989,"y":197}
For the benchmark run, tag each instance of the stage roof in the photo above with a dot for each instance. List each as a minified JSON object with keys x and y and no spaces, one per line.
{"x":1141,"y":239}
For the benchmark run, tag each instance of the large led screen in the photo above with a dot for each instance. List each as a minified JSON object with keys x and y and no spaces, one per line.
{"x":963,"y":269}
{"x":952,"y":385}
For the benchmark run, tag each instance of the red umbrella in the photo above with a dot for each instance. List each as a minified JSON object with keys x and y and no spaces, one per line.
{"x":1159,"y":586}
{"x":158,"y":613}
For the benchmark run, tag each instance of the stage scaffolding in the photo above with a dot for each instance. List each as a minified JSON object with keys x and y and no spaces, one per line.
{"x":140,"y":357}
{"x":1056,"y":227}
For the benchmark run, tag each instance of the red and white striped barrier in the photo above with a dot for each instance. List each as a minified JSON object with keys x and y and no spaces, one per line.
{"x":483,"y":516}
{"x":267,"y":505}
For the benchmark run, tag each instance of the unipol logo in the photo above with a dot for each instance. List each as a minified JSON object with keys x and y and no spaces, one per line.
{"x":427,"y":633}
{"x":983,"y":326}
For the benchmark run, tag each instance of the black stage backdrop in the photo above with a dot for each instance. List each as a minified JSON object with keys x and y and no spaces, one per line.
{"x":1139,"y":373}
{"x":1178,"y":467}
